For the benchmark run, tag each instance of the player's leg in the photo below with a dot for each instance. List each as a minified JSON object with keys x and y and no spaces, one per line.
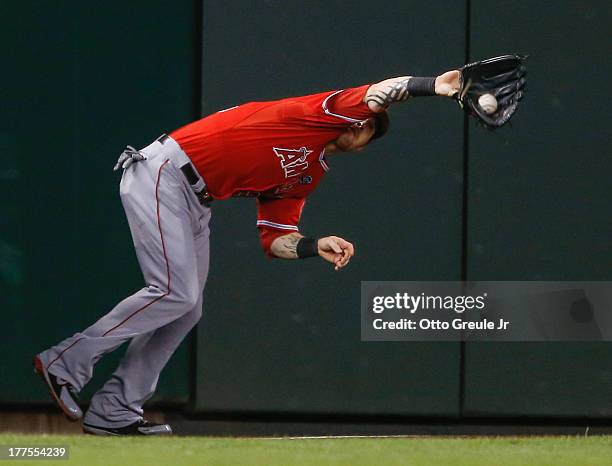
{"x":119,"y":402}
{"x":162,"y":228}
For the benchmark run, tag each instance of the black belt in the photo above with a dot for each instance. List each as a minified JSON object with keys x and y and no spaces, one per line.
{"x":192,"y":178}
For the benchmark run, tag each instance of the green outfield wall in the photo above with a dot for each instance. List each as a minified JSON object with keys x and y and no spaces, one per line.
{"x":82,"y":83}
{"x":539,"y":202}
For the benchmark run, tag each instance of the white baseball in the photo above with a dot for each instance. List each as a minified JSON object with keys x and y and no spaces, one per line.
{"x":488,"y":103}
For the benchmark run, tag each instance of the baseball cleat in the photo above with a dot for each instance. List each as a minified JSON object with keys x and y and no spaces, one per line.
{"x":140,"y":427}
{"x":63,"y":394}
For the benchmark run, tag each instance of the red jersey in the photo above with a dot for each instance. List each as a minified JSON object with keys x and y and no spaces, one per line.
{"x":274,"y":151}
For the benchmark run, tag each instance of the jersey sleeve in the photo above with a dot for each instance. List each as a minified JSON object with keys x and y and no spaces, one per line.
{"x":277,"y":217}
{"x":348,"y":104}
{"x":333,"y":109}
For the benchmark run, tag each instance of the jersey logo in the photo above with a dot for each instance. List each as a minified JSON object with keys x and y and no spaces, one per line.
{"x":293,"y":161}
{"x":284,"y":188}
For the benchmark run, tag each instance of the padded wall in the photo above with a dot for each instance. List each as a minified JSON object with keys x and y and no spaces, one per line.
{"x":539,"y":206}
{"x":283,"y":336}
{"x":79,"y":83}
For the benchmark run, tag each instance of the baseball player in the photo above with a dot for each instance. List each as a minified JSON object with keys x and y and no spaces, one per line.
{"x":273,"y":151}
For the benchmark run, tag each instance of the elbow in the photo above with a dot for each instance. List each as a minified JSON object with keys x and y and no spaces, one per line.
{"x":266,"y":238}
{"x":375,"y":106}
{"x":374,"y":102}
{"x":276,"y":243}
{"x":266,"y":247}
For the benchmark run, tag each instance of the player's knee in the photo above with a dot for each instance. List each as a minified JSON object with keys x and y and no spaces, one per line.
{"x":192,"y":300}
{"x":188,"y":297}
{"x":193,"y":317}
{"x":197,"y":313}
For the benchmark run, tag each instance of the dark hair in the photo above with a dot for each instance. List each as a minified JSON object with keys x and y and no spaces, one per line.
{"x":381,"y":125}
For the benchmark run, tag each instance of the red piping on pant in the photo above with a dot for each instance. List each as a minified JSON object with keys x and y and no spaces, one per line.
{"x":167,"y":272}
{"x":161,"y":234}
{"x":60,"y":355}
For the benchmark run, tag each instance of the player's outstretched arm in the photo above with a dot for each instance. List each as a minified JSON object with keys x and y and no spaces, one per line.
{"x":380,"y":95}
{"x":333,"y":249}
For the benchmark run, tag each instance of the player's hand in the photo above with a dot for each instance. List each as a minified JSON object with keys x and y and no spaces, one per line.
{"x":336,"y":250}
{"x":447,"y":84}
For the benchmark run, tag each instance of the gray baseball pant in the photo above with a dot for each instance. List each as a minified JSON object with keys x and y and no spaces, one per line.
{"x":171,"y":237}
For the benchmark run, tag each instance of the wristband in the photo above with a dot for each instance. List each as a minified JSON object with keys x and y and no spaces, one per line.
{"x":307,"y":247}
{"x":420,"y":87}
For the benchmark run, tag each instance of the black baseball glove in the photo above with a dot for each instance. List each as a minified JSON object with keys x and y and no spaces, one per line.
{"x":503,"y":77}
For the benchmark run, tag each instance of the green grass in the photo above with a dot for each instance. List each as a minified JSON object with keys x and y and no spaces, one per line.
{"x":421,"y":451}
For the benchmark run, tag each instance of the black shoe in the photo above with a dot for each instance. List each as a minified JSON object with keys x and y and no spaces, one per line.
{"x":140,"y":427}
{"x":62,"y":393}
